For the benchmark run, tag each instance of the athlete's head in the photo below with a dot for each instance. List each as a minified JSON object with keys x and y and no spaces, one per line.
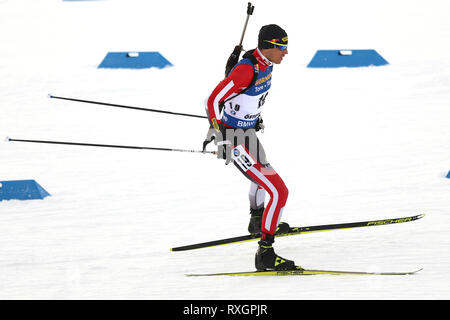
{"x":273,"y":41}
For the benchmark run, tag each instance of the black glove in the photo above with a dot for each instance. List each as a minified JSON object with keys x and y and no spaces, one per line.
{"x":259,"y":125}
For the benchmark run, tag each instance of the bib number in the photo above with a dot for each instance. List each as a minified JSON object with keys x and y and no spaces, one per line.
{"x":242,"y":158}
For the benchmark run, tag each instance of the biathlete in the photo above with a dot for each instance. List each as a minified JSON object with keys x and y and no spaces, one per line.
{"x":234,"y":111}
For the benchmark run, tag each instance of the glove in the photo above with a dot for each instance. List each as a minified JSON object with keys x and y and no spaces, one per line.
{"x":259,"y":125}
{"x":223,"y":145}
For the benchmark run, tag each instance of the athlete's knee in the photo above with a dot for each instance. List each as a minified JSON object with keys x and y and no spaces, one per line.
{"x":283,"y":193}
{"x":281,"y":190}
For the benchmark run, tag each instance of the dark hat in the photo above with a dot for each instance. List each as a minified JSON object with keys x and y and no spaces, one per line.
{"x":271,"y":33}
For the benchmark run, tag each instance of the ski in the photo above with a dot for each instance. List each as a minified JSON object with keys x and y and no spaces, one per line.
{"x":301,"y":272}
{"x":299,"y":230}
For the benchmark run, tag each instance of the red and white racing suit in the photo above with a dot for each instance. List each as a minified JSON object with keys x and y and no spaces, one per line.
{"x":242,"y":112}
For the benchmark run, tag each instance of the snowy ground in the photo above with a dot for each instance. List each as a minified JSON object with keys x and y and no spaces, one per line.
{"x":357,"y":144}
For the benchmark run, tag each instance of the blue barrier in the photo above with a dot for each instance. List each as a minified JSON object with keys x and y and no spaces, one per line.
{"x":346,"y":58}
{"x":448,"y":175}
{"x":21,"y":190}
{"x":134,"y":60}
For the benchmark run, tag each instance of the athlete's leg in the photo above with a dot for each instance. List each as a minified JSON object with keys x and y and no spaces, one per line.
{"x":272,"y":183}
{"x":250,"y":160}
{"x":265,"y":177}
{"x":257,"y":196}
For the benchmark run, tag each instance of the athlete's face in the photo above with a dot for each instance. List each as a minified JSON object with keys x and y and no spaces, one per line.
{"x":275,"y":55}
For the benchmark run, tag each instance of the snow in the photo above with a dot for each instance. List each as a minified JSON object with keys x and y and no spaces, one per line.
{"x":351,"y":145}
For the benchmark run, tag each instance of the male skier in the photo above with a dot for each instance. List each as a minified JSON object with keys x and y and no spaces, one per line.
{"x":241,"y":96}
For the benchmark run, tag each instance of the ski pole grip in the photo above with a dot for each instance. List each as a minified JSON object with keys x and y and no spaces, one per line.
{"x":250,"y":9}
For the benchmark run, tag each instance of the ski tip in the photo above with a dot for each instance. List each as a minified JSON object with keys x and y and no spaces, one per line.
{"x":417,"y":271}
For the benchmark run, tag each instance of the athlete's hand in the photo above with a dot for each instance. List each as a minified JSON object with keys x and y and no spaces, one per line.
{"x":220,"y":140}
{"x":259,"y":125}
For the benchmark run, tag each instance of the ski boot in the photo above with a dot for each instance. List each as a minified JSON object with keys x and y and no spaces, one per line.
{"x":254,"y":227}
{"x":267,"y":259}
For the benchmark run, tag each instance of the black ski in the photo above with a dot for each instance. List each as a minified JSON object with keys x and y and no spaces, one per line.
{"x":299,"y":230}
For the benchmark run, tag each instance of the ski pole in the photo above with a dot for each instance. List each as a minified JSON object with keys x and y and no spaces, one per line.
{"x":128,"y":107}
{"x":250,"y":9}
{"x":106,"y":145}
{"x":234,"y":56}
